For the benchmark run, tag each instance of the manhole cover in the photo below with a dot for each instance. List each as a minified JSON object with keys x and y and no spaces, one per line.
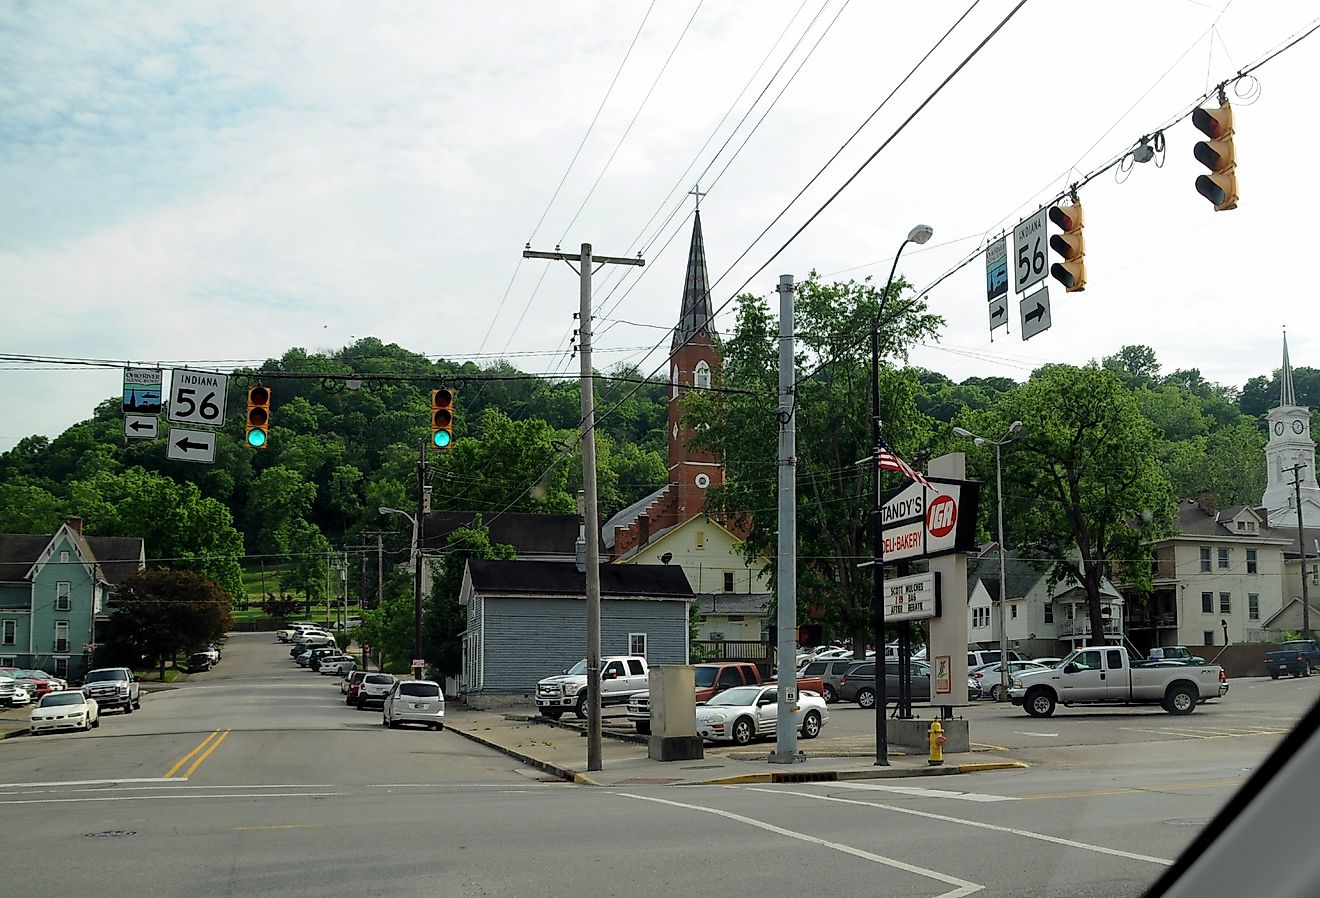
{"x":110,"y":834}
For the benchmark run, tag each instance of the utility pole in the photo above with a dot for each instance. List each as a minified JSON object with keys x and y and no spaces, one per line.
{"x":590,"y":516}
{"x":1301,"y":544}
{"x":417,"y":559}
{"x":786,"y":561}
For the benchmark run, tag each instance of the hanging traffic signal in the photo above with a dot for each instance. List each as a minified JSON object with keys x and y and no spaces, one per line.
{"x":1070,"y":244}
{"x":1220,"y":186}
{"x":442,"y":418}
{"x":258,"y":417}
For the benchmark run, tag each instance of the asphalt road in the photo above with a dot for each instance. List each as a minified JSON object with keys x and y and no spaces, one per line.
{"x":256,"y":779}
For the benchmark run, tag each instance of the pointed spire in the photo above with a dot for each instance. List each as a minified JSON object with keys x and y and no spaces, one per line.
{"x":695,"y":317}
{"x":1287,"y":395}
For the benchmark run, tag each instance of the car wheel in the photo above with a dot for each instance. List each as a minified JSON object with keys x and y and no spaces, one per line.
{"x":994,"y":692}
{"x":1181,"y":700}
{"x":1039,"y":703}
{"x":97,"y":722}
{"x":1274,"y":675}
{"x":552,"y":713}
{"x":394,"y":724}
{"x":361,"y":705}
{"x":643,"y":727}
{"x":831,"y":694}
{"x":581,"y":708}
{"x":743,"y":731}
{"x":866,"y":698}
{"x":811,"y":725}
{"x":439,"y":727}
{"x":128,"y":707}
{"x":1297,"y":674}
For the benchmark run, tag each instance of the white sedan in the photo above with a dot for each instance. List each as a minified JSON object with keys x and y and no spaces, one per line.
{"x":744,"y":713}
{"x":67,"y":709}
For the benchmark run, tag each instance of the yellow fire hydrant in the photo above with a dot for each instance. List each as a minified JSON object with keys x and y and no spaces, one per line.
{"x":937,"y":741}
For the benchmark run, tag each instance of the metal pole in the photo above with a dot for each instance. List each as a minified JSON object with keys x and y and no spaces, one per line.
{"x":380,"y":570}
{"x":589,"y":517}
{"x":1301,"y":544}
{"x":417,"y":557}
{"x":1003,"y":590}
{"x":786,"y":564}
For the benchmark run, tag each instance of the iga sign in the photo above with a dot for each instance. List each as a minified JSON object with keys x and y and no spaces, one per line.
{"x":922,"y":523}
{"x":912,"y":598}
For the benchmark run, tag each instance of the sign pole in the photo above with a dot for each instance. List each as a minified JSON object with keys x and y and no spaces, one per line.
{"x":878,"y":567}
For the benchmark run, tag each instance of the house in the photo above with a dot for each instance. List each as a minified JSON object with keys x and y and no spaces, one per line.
{"x":534,"y":537}
{"x":1220,"y":575}
{"x":1040,"y":621}
{"x":54,"y":592}
{"x":526,"y":620}
{"x":731,"y":616}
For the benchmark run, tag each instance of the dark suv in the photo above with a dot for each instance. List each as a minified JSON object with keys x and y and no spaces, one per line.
{"x":858,"y":684}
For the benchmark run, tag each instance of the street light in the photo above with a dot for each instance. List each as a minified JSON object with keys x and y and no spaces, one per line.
{"x":416,"y":556}
{"x":918,"y":235}
{"x":1014,"y":431}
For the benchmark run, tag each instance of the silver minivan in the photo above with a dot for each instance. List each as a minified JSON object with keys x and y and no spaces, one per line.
{"x":415,"y":701}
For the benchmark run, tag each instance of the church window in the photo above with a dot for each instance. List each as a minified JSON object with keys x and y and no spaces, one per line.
{"x":673,"y":381}
{"x":702,"y":376}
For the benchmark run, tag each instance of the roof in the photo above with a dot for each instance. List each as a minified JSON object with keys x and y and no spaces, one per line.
{"x":529,"y":534}
{"x":1020,"y":577}
{"x":696,"y":314}
{"x":626,"y":516}
{"x":563,"y":578}
{"x":1193,"y":520}
{"x":118,"y":557}
{"x":1292,"y":550}
{"x":733,"y":602}
{"x":18,"y":552}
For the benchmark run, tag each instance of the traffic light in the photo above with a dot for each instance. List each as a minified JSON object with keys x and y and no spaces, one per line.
{"x":1070,"y":244}
{"x":258,"y":417}
{"x":1220,"y":186}
{"x":442,"y":418}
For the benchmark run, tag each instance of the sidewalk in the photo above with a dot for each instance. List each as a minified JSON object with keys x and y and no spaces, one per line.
{"x":560,"y":749}
{"x":14,"y":721}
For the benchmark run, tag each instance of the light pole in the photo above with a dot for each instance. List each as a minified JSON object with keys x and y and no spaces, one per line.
{"x":920,"y":234}
{"x":416,"y":556}
{"x":1014,"y":431}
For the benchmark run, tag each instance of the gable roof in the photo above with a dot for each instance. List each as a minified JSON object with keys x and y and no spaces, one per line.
{"x":701,"y":519}
{"x":1195,"y":521}
{"x":114,"y":558}
{"x":18,"y":552}
{"x":120,"y":557}
{"x":1021,"y":577}
{"x":529,"y":534}
{"x":659,"y":581}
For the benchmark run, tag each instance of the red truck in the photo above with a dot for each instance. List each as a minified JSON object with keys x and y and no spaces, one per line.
{"x":713,"y":678}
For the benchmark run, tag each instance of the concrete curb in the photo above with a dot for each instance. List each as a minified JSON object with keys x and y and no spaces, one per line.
{"x":879,"y":773}
{"x":563,"y":773}
{"x":10,"y":734}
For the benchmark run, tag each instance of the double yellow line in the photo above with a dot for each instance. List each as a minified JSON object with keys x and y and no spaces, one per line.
{"x":208,"y":745}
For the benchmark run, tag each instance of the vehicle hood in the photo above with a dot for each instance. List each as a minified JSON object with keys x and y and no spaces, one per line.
{"x":707,"y":712}
{"x":1035,"y":676}
{"x":562,"y":679}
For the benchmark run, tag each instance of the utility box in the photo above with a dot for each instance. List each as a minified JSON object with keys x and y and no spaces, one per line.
{"x":673,"y":714}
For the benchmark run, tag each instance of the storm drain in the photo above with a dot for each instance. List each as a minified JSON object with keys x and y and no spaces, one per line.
{"x":824,"y":776}
{"x":109,"y":834}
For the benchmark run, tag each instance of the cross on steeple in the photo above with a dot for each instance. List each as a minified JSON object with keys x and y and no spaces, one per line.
{"x":698,"y":193}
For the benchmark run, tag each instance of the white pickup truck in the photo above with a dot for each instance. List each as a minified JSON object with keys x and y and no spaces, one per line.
{"x":620,"y":677}
{"x":1102,"y":675}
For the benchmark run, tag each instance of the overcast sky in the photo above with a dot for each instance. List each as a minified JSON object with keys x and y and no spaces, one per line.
{"x":193,"y":182}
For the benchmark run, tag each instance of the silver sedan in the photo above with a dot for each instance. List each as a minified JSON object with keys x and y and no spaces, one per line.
{"x":744,"y":713}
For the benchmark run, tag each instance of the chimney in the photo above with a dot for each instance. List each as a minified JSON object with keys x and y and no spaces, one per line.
{"x":75,"y":524}
{"x":643,"y":529}
{"x":1205,"y":500}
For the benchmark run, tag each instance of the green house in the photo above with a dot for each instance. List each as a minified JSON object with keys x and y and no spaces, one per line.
{"x":54,"y":593}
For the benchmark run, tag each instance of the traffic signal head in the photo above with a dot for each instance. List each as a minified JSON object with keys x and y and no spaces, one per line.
{"x":1217,"y":154}
{"x":1070,"y":244}
{"x":442,"y":418}
{"x":257,"y":425}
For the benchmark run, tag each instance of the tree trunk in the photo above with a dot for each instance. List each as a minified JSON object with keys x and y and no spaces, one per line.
{"x":1093,"y":605}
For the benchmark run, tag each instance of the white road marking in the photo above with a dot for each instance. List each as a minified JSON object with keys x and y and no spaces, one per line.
{"x":1051,"y":735}
{"x":917,"y":792}
{"x":961,"y":886}
{"x":145,"y":779}
{"x":248,"y":795}
{"x":1027,"y":834}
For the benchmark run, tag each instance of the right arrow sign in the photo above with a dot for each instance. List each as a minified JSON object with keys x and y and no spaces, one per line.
{"x":1035,"y":313}
{"x":998,"y":313}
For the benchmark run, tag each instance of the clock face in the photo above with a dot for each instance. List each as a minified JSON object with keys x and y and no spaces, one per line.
{"x":1298,"y":426}
{"x":1278,"y":428}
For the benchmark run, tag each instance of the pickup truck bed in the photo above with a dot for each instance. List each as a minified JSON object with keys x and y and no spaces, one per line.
{"x":1298,"y":657}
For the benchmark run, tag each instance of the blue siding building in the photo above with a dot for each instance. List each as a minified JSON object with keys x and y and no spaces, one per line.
{"x":527,"y":620}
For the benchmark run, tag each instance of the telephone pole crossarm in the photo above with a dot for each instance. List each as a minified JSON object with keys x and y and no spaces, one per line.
{"x":577,"y":257}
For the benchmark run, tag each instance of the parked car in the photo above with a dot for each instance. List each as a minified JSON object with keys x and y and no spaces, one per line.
{"x":973,"y":688}
{"x":22,"y":696}
{"x":8,"y":686}
{"x":829,"y":672}
{"x":990,"y":676}
{"x":38,"y":681}
{"x":977,"y":657}
{"x":858,"y":684}
{"x":65,"y":709}
{"x":333,"y":665}
{"x":113,"y":687}
{"x":1177,"y":653}
{"x":213,"y":652}
{"x":744,"y":713}
{"x":414,"y":701}
{"x":373,"y":689}
{"x":348,"y":685}
{"x":710,"y":679}
{"x":620,"y":677}
{"x":305,"y":660}
{"x":1047,"y":662}
{"x":1104,"y":675}
{"x":199,"y":662}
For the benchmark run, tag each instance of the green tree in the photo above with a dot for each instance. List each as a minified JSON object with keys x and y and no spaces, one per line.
{"x":158,"y":614}
{"x":1089,"y":461}
{"x":443,"y":618}
{"x":280,"y":497}
{"x":497,"y":463}
{"x":28,"y":508}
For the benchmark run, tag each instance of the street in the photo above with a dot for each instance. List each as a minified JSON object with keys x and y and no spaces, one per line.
{"x":257,"y":779}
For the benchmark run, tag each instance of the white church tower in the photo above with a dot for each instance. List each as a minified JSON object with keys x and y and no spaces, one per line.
{"x":1290,"y":444}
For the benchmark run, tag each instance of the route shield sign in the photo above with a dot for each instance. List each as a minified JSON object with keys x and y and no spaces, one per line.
{"x":142,"y":391}
{"x":191,"y":445}
{"x":198,"y":397}
{"x":1035,"y":313}
{"x":996,"y":270}
{"x":1030,"y":242}
{"x":140,"y":427}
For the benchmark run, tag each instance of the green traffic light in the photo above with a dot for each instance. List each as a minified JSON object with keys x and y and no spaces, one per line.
{"x":442,"y":439}
{"x":256,"y":438}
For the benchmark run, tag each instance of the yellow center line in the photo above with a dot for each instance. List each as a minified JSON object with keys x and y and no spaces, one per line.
{"x":206,"y":754}
{"x":188,"y":757}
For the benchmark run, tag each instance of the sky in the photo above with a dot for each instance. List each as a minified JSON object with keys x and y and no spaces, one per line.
{"x":209,"y":184}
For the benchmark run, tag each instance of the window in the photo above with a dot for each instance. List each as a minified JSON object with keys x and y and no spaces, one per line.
{"x":1223,"y":559}
{"x":1049,"y":614}
{"x":1012,"y":611}
{"x":637,"y":644}
{"x":1205,"y":559}
{"x":635,"y":667}
{"x":11,"y":633}
{"x":1087,"y":660}
{"x":728,"y":581}
{"x":1225,"y":602}
{"x":61,"y":667}
{"x":1242,"y":525}
{"x":1114,"y":660}
{"x":1208,"y":636}
{"x":701,"y":377}
{"x":701,"y":539}
{"x":7,"y":662}
{"x":1207,"y":603}
{"x":1251,"y":561}
{"x":1072,"y":611}
{"x":1253,"y":606}
{"x":737,"y":618}
{"x":613,"y":669}
{"x":729,"y":677}
{"x":62,"y":595}
{"x":64,"y":558}
{"x":61,"y":636}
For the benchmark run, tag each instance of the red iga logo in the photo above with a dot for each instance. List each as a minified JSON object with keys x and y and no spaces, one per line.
{"x":941,"y":516}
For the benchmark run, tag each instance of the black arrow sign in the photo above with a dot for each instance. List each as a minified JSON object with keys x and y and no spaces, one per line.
{"x":999,"y":312}
{"x":186,"y":444}
{"x":1038,"y":312}
{"x":139,"y":425}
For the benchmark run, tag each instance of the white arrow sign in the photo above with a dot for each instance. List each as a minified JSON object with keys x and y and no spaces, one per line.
{"x":140,"y":427}
{"x":191,"y":445}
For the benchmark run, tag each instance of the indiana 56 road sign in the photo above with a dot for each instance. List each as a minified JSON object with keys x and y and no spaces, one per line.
{"x":198,"y":397}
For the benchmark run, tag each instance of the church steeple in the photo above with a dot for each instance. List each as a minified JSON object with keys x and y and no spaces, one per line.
{"x":694,"y":318}
{"x":1289,"y":446}
{"x":1287,"y":395}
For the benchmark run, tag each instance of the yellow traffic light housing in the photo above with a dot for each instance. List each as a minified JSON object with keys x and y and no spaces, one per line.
{"x":1217,"y":154}
{"x":442,"y":418}
{"x":257,"y":423}
{"x":1070,"y":244}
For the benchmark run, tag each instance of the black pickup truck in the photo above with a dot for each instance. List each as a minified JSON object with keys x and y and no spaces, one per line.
{"x":1297,"y":657}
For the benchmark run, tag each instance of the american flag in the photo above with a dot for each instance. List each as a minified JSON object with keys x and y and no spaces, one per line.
{"x":889,"y":461}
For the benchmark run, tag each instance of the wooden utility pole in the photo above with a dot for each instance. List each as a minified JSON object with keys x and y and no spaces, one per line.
{"x":1301,"y":545}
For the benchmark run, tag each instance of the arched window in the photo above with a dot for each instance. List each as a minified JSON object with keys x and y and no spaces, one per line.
{"x":673,"y":381}
{"x":701,"y":378}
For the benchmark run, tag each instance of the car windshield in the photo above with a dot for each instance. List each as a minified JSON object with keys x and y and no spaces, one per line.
{"x":419,"y":690}
{"x":577,"y":670}
{"x":739,"y":695}
{"x":705,"y":676}
{"x":380,"y":678}
{"x":56,"y":699}
{"x":102,"y":676}
{"x":36,"y":675}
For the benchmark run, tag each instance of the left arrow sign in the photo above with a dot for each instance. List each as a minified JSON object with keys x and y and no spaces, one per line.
{"x":191,"y":445}
{"x":140,"y":427}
